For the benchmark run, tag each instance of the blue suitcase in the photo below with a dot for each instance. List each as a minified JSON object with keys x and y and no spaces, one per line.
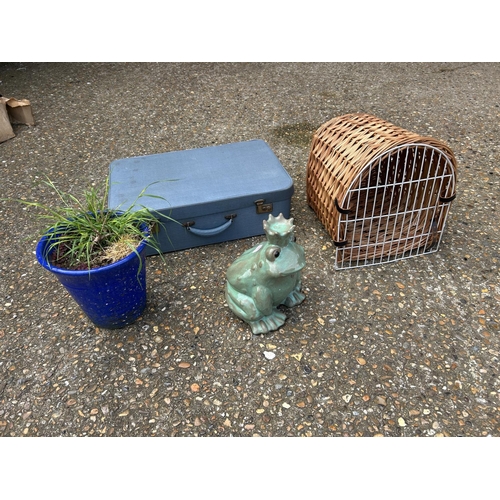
{"x":217,"y":193}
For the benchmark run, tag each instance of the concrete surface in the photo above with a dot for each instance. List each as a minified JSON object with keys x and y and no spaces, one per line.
{"x":404,"y":349}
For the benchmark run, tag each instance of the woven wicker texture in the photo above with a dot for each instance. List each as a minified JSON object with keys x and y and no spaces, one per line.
{"x":379,"y":190}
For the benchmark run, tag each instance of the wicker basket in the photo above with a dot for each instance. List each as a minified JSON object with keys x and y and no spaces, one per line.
{"x":382,"y":192}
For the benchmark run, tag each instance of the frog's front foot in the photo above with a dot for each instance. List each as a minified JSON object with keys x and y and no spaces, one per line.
{"x":269,"y":323}
{"x":295,"y":297}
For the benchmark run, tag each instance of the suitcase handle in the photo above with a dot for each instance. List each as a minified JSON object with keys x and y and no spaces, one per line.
{"x":211,"y":232}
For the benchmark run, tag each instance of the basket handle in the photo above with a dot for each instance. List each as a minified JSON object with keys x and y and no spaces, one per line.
{"x":213,"y":231}
{"x":340,"y":209}
{"x":340,"y":244}
{"x":442,"y":199}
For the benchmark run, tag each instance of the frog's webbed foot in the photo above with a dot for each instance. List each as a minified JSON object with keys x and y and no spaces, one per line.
{"x":269,"y":323}
{"x":295,"y":297}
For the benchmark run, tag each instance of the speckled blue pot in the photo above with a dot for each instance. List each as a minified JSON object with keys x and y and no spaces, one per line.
{"x":112,"y":296}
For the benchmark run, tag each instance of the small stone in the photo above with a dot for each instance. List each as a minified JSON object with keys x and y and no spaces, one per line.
{"x":361,"y":361}
{"x":269,"y":355}
{"x":184,"y":364}
{"x":195,"y":387}
{"x":401,"y":422}
{"x":297,"y":356}
{"x":381,"y":400}
{"x":347,"y":397}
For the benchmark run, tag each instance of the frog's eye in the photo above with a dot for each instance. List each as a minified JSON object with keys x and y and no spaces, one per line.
{"x":273,"y":253}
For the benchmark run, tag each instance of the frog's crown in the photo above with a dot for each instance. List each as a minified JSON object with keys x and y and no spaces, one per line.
{"x":278,"y":229}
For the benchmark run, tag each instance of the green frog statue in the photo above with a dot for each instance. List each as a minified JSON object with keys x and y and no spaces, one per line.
{"x":266,"y":276}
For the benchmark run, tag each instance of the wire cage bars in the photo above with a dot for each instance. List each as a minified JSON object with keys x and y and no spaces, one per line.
{"x":383,"y":193}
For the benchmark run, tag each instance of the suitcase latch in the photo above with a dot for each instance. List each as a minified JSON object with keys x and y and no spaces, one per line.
{"x":263,"y":208}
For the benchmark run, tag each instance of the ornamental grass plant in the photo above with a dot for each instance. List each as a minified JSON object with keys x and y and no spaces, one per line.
{"x":84,"y":234}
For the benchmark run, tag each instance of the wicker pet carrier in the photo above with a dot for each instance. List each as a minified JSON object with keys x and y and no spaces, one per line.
{"x":382,"y":192}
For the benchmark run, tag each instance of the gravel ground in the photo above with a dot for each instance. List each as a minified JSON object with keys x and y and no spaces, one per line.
{"x":403,"y":349}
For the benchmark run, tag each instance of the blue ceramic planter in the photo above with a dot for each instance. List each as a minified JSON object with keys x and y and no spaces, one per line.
{"x":112,"y":296}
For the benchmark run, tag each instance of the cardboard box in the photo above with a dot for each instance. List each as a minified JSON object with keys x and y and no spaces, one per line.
{"x":6,"y":131}
{"x":20,"y":111}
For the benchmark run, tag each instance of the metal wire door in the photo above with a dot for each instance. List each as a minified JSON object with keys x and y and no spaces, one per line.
{"x":396,"y":208}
